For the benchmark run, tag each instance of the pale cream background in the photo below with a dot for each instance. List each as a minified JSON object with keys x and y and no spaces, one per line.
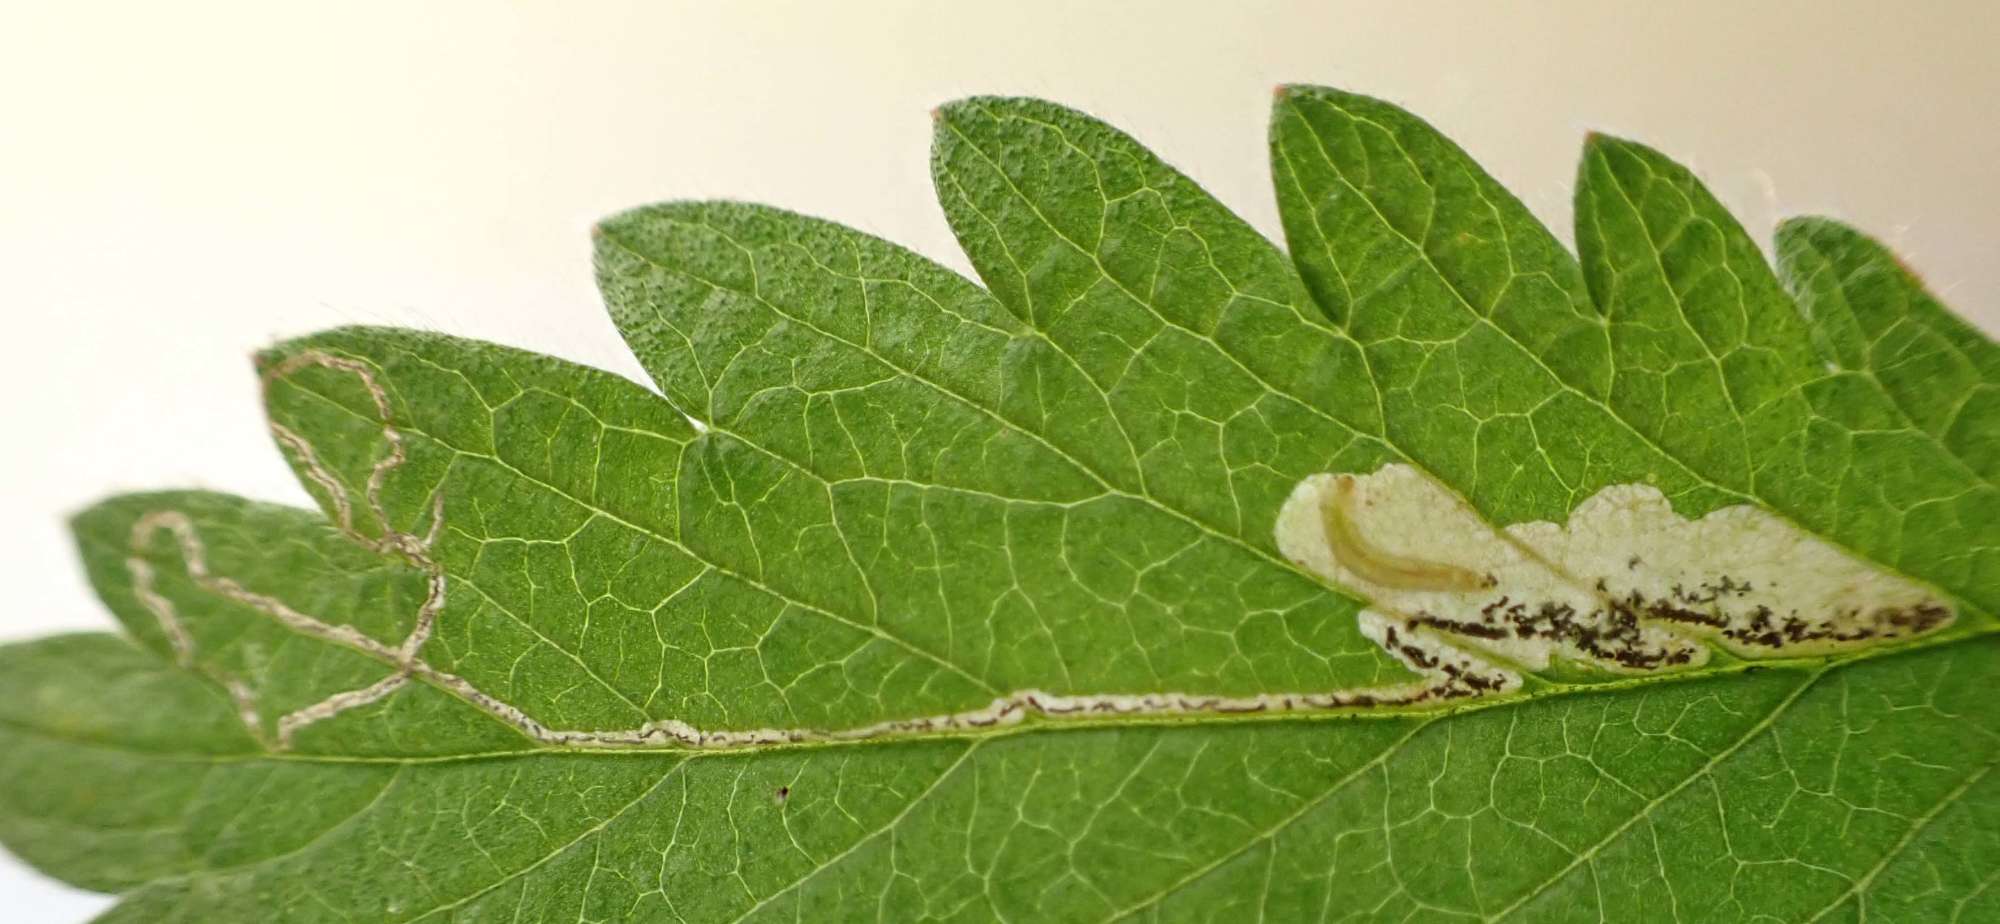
{"x":182,"y":182}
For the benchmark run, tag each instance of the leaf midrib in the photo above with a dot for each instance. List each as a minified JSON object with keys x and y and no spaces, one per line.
{"x":1806,"y":666}
{"x":1802,"y":687}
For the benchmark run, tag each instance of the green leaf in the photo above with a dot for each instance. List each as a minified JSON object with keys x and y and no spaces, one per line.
{"x":1872,"y":319}
{"x":1428,"y":572}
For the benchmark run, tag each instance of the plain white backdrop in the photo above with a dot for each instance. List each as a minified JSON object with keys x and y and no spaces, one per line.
{"x":181,"y":183}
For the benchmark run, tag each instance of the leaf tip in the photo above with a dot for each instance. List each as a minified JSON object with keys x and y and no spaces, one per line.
{"x":1597,"y":142}
{"x":1832,"y":235}
{"x":951,"y":109}
{"x":1806,"y":227}
{"x":1602,"y":144}
{"x":943,"y":116}
{"x":615,"y":228}
{"x":1287,"y":93}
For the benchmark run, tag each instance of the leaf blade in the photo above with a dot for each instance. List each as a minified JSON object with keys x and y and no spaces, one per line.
{"x":1307,"y":784}
{"x":1830,"y":451}
{"x":979,"y":605}
{"x":1123,"y":546}
{"x":1540,"y":350}
{"x":1872,"y":314}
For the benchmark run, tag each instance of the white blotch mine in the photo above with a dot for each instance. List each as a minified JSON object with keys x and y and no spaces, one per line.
{"x":1741,"y":575}
{"x":1627,"y":584}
